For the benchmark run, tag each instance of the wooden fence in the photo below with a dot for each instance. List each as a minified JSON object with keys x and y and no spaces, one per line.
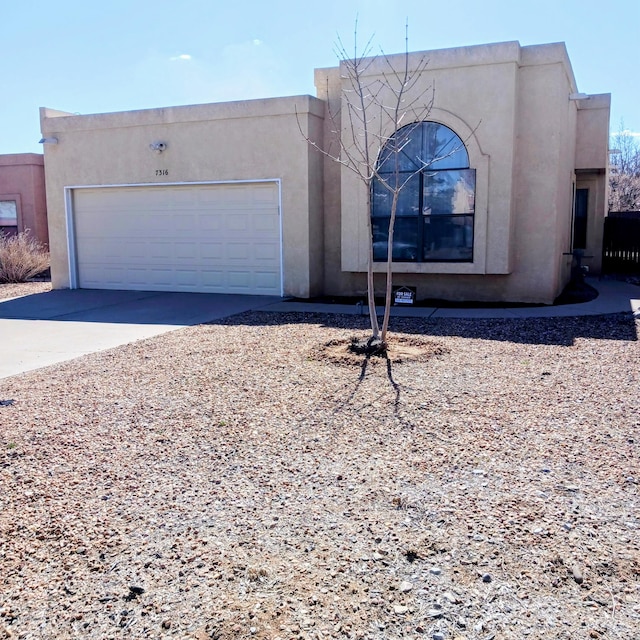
{"x":621,"y":244}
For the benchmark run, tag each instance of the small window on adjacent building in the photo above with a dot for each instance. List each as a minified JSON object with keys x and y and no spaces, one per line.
{"x":436,"y":204}
{"x":8,"y":217}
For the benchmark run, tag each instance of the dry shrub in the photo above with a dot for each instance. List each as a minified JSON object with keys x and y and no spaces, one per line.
{"x":21,"y":257}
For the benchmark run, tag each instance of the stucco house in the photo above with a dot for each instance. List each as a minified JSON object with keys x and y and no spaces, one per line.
{"x":230,"y":197}
{"x":22,"y":195}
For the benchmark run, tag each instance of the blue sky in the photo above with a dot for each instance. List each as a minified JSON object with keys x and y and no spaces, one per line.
{"x":93,"y":57}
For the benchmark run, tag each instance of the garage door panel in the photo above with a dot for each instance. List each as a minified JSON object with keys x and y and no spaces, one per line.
{"x":143,"y":222}
{"x":185,"y":277}
{"x":98,"y":224}
{"x":185,"y":221}
{"x":156,"y":276}
{"x":131,"y":225}
{"x":238,"y":221}
{"x":238,"y":251}
{"x":265,"y":252}
{"x":136,"y":276}
{"x":212,"y":250}
{"x":185,"y":250}
{"x":223,"y":196}
{"x":212,"y":278}
{"x":109,"y":275}
{"x":239,"y":281}
{"x":92,"y":247}
{"x":210,"y":238}
{"x":263,"y":194}
{"x":137,"y":251}
{"x":266,"y":280}
{"x":210,"y":222}
{"x":161,"y":250}
{"x":266,"y":222}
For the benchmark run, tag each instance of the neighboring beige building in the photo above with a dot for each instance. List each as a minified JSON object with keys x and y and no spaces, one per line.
{"x":230,"y":197}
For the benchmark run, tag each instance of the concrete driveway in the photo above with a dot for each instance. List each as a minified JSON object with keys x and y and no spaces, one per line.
{"x":45,"y":328}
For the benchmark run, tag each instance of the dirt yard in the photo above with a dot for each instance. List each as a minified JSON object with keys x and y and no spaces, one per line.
{"x":245,"y":480}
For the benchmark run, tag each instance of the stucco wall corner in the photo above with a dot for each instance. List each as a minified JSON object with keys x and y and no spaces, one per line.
{"x":592,"y":132}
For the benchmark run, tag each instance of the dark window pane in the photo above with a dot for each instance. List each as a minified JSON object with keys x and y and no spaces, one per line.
{"x":380,"y":232}
{"x":423,"y":144}
{"x":448,"y":238}
{"x":442,"y":148}
{"x":580,"y":219}
{"x":434,"y":161}
{"x":403,"y":151}
{"x":405,"y":239}
{"x":447,"y":192}
{"x":408,"y":198}
{"x":8,"y":231}
{"x":8,"y":213}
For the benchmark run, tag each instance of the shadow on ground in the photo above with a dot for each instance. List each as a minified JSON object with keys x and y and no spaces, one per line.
{"x":562,"y":331}
{"x":128,"y":307}
{"x":576,"y":292}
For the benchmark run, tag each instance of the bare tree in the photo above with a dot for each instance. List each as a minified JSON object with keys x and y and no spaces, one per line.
{"x":375,"y":106}
{"x":624,"y":175}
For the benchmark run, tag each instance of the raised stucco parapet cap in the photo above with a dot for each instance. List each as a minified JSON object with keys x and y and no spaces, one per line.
{"x":190,"y":113}
{"x":454,"y":57}
{"x":326,"y":74}
{"x":551,"y":53}
{"x":46,"y":112}
{"x":19,"y":159}
{"x":595,"y":101}
{"x":544,"y":53}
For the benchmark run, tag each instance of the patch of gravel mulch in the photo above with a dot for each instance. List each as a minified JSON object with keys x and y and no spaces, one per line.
{"x":226,"y":481}
{"x":23,"y":289}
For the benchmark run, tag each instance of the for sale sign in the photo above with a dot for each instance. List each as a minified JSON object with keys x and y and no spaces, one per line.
{"x":404,"y":295}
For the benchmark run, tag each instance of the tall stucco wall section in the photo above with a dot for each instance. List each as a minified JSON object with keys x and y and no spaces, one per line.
{"x":592,"y":145}
{"x":252,"y":140}
{"x":544,"y":172}
{"x":315,"y":177}
{"x":592,"y":168}
{"x":459,"y":78}
{"x":510,"y":105}
{"x":328,"y":83}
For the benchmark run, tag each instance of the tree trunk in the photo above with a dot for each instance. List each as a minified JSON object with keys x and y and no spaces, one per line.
{"x":371,"y":292}
{"x":387,"y":296}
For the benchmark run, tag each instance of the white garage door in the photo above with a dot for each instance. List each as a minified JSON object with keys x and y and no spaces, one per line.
{"x":219,"y":238}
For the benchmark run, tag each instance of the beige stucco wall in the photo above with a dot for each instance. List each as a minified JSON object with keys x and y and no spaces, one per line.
{"x":22,"y":180}
{"x":544,"y":174}
{"x":458,"y":78}
{"x":511,"y":107}
{"x":530,"y":144}
{"x":596,"y":183}
{"x":592,"y":170}
{"x":250,"y":140}
{"x":592,"y":145}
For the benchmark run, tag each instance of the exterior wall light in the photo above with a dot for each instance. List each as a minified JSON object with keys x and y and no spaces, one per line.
{"x":48,"y":141}
{"x":158,"y":146}
{"x":579,"y":96}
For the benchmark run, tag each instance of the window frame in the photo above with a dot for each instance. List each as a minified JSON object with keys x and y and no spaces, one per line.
{"x":454,"y":163}
{"x":14,"y":219}
{"x":10,"y":225}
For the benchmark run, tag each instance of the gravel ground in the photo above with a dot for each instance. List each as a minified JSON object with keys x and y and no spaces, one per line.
{"x":236,"y":480}
{"x":23,"y":289}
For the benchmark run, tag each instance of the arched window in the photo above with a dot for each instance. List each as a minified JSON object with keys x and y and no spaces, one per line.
{"x":436,"y":204}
